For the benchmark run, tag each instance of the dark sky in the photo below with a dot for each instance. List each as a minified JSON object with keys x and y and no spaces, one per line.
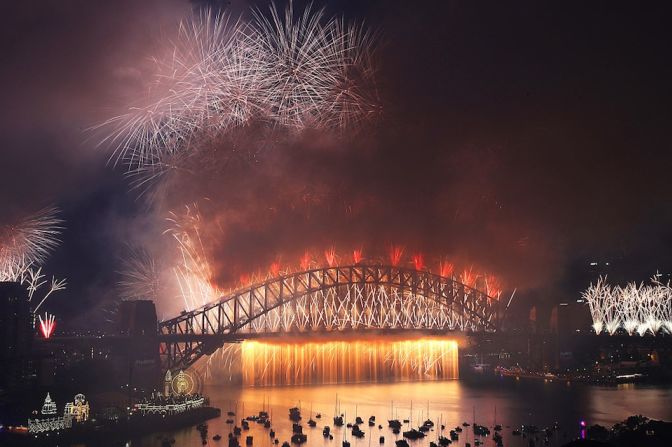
{"x":526,"y":137}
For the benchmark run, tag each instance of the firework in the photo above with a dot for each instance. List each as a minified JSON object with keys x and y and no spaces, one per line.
{"x":192,"y":272}
{"x":418,"y":261}
{"x":330,"y":256}
{"x":446,"y":269}
{"x":274,"y":269}
{"x":47,"y":325}
{"x":319,"y":68}
{"x":305,"y":261}
{"x":293,"y":70}
{"x":357,"y":255}
{"x":634,"y":308}
{"x":468,"y":278}
{"x":493,"y":288}
{"x":139,"y":276}
{"x":395,"y":254}
{"x":28,"y":242}
{"x":191,"y":93}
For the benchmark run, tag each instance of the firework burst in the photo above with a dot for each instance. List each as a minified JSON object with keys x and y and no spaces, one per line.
{"x":28,"y":242}
{"x":291,"y":70}
{"x":47,"y":325}
{"x":634,"y":308}
{"x":139,"y":276}
{"x":192,"y":272}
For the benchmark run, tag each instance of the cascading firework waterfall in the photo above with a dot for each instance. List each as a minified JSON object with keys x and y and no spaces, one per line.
{"x":273,"y":363}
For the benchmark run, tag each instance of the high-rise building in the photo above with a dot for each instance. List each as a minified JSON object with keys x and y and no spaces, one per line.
{"x":16,"y":335}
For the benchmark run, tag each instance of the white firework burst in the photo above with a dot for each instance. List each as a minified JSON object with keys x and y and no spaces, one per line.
{"x":289,"y":69}
{"x":192,"y":272}
{"x":139,"y":276}
{"x":636,"y":308}
{"x":28,"y":242}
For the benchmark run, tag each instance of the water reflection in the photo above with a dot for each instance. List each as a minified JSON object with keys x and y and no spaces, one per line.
{"x":505,"y":402}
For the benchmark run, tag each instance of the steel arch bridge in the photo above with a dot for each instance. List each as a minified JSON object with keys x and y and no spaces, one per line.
{"x":329,"y":299}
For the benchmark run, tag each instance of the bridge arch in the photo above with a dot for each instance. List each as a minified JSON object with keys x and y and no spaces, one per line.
{"x":353,"y":297}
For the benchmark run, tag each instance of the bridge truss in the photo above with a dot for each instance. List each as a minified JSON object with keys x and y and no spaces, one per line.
{"x":331,"y":299}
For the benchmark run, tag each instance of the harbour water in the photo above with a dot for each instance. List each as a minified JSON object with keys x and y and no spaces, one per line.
{"x":504,"y":401}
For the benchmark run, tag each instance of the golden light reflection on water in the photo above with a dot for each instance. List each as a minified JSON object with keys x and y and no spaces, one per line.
{"x":272,"y":363}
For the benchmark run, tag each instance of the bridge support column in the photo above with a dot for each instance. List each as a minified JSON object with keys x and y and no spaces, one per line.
{"x":137,"y":319}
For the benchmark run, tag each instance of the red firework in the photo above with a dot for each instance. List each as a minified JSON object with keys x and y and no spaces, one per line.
{"x":305,"y":261}
{"x":330,"y":256}
{"x":468,"y":278}
{"x":418,"y":261}
{"x":275,"y":269}
{"x":395,"y":254}
{"x":446,"y":269}
{"x":47,"y":325}
{"x":357,"y":255}
{"x":244,"y":279}
{"x":493,"y":287}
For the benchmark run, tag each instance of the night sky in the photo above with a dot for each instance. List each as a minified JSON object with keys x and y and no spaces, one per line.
{"x":527,"y":138}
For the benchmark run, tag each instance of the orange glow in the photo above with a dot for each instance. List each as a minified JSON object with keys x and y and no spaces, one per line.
{"x":446,"y":269}
{"x":245,"y":279}
{"x":352,"y":361}
{"x":357,"y":255}
{"x":305,"y":261}
{"x":330,"y":256}
{"x":493,"y":288}
{"x":275,"y":269}
{"x":418,"y":261}
{"x":395,"y":254}
{"x":468,"y":278}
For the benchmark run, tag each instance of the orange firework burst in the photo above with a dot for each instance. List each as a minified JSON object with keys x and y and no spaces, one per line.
{"x":468,"y":278}
{"x":446,"y":269}
{"x":275,"y":269}
{"x":245,"y":279}
{"x":395,"y":254}
{"x":330,"y":256}
{"x":305,"y":261}
{"x":357,"y":255}
{"x":493,"y":287}
{"x":418,"y":261}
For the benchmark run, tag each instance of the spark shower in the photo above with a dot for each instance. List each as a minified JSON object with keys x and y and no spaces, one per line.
{"x":272,"y":363}
{"x":634,"y":308}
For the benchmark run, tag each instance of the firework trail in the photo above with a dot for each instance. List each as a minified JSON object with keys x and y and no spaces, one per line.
{"x":28,"y":242}
{"x":192,"y":272}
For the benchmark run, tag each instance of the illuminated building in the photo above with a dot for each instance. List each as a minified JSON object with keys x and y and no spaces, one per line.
{"x":49,"y":421}
{"x":79,"y":409}
{"x":49,"y":406}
